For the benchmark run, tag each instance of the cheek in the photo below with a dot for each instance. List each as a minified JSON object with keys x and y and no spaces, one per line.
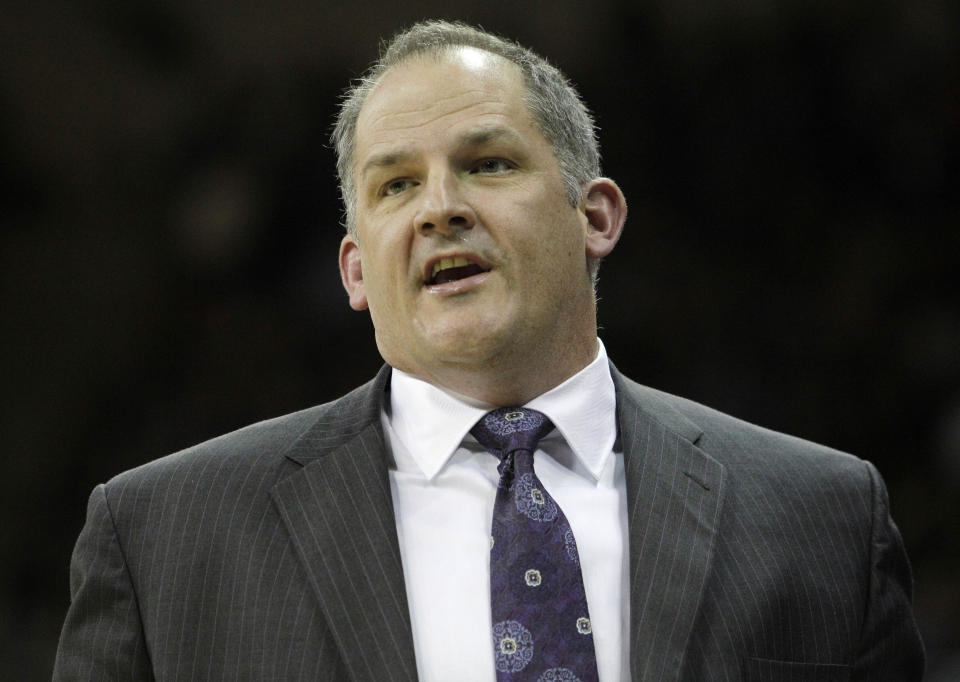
{"x":386,"y":257}
{"x":560,"y":239}
{"x":379,"y":287}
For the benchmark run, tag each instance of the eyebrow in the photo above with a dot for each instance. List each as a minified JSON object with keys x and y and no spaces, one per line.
{"x":480,"y":136}
{"x":387,"y":159}
{"x":469,"y":138}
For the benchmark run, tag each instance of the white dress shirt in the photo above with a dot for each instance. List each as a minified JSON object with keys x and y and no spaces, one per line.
{"x":444,"y":487}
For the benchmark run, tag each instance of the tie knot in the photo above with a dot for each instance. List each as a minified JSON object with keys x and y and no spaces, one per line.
{"x":507,"y":429}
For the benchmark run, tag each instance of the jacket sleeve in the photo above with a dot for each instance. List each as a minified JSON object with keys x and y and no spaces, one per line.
{"x":102,"y":637}
{"x":890,"y":645}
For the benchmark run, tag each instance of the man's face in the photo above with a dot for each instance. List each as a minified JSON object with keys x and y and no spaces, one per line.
{"x":467,"y":249}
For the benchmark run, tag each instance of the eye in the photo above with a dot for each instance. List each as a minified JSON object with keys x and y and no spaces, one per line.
{"x":397,"y":186}
{"x":492,"y":166}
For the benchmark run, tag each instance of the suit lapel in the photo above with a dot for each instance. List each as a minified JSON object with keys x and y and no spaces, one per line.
{"x":674,"y":493}
{"x":339,"y":512}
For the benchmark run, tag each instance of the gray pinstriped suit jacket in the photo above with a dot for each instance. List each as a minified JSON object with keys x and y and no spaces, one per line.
{"x":271,"y":553}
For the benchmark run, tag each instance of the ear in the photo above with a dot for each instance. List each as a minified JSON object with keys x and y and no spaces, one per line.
{"x":351,"y":272}
{"x":606,"y":210}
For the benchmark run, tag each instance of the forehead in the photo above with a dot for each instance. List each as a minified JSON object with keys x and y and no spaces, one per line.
{"x":430,"y":95}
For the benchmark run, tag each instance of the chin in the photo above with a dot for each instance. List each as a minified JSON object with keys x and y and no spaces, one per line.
{"x":436,"y":347}
{"x":473,"y":344}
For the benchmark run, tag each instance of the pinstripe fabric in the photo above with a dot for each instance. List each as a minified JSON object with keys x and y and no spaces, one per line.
{"x":755,"y":555}
{"x":189,"y":568}
{"x":339,"y":512}
{"x":271,"y":553}
{"x":674,"y":496}
{"x":760,"y":670}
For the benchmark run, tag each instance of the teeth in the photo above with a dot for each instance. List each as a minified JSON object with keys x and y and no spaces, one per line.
{"x":446,"y":263}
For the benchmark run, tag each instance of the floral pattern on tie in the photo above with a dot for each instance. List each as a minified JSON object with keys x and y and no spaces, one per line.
{"x":542,"y":630}
{"x":512,"y":646}
{"x":531,"y":501}
{"x":558,"y":675}
{"x":571,"y":546}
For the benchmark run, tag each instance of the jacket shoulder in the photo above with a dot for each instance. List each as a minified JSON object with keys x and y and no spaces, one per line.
{"x":740,"y":445}
{"x":256,"y":444}
{"x":265,"y":444}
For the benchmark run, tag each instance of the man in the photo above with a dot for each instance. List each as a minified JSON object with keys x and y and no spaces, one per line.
{"x":353,"y":540}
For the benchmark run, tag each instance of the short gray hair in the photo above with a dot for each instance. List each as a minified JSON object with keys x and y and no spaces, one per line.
{"x":556,"y":106}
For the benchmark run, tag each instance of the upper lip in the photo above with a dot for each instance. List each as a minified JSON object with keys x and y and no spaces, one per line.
{"x":437,"y":263}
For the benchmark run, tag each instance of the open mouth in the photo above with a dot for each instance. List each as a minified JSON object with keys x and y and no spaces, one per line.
{"x":452,"y":269}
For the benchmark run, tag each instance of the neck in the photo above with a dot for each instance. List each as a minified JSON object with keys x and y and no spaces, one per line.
{"x":505,"y":382}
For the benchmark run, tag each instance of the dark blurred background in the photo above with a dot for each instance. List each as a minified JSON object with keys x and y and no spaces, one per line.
{"x":170,"y":223}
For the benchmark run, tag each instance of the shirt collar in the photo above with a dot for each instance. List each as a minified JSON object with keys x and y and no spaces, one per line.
{"x":431,"y":422}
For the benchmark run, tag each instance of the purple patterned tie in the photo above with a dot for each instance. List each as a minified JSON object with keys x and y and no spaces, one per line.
{"x":541,"y":628}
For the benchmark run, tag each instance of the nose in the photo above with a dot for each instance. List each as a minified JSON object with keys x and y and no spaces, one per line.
{"x":443,"y":208}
